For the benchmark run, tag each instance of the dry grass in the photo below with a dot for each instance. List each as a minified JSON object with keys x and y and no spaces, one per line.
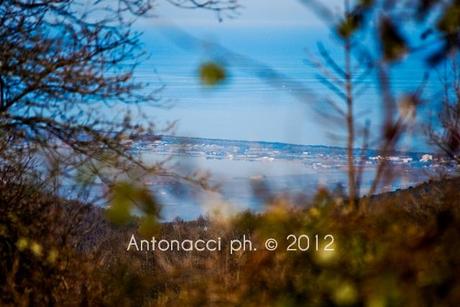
{"x":404,"y":251}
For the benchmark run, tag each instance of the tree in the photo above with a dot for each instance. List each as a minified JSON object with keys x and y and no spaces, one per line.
{"x":63,"y":63}
{"x":347,"y":83}
{"x":57,"y":61}
{"x":444,"y":133}
{"x":67,"y":91}
{"x":222,"y":8}
{"x":436,"y":36}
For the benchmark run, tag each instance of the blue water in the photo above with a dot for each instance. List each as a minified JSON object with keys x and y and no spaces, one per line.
{"x":251,"y":105}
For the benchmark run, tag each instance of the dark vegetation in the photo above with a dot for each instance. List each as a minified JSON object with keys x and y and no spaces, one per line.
{"x":403,"y":251}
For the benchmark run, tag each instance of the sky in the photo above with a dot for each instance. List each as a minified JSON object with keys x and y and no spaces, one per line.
{"x":252,"y":13}
{"x":281,"y":35}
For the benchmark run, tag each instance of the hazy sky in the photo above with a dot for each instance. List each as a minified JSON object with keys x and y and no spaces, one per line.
{"x":252,"y":13}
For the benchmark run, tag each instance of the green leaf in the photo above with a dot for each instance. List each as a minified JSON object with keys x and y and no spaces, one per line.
{"x":119,"y":212}
{"x":394,"y":46}
{"x":149,"y":226}
{"x":450,"y":20}
{"x":212,"y":74}
{"x":127,"y":196}
{"x":349,"y":25}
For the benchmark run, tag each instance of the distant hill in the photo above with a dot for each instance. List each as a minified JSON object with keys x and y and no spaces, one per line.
{"x":256,"y":150}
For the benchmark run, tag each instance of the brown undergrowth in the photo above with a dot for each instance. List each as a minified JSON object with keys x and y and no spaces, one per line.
{"x":403,"y":251}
